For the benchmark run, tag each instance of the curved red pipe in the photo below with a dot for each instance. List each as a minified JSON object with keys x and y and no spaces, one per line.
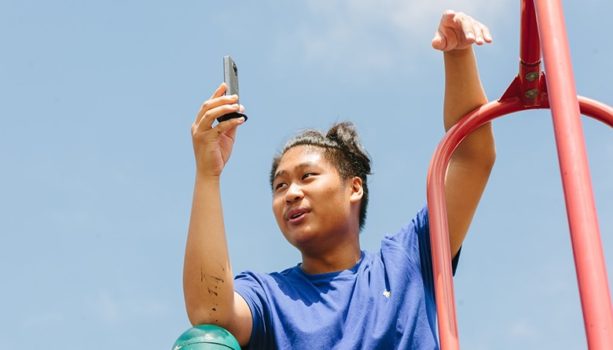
{"x":596,"y":110}
{"x":439,"y":231}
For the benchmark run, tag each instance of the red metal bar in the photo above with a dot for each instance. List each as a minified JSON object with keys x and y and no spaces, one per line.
{"x":580,"y":206}
{"x":439,"y":231}
{"x":596,"y":110}
{"x":529,"y":45}
{"x":529,"y":56}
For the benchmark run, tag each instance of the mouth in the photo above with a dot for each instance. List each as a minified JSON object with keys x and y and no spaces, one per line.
{"x":295,"y":215}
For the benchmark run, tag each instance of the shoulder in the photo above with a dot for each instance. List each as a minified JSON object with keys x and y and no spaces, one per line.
{"x":411,"y":233}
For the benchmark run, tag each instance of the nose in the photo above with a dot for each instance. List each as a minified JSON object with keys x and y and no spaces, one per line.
{"x":293,"y":193}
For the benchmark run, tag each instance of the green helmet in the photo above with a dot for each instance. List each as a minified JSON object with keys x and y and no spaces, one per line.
{"x":206,"y":337}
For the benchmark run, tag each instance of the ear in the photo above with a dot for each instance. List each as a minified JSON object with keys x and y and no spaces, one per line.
{"x":357,"y":191}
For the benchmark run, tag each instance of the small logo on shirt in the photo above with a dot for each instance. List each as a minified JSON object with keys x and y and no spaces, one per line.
{"x":387,"y":294}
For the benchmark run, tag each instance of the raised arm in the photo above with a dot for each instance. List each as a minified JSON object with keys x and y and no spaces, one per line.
{"x":207,"y":276}
{"x":471,"y":164}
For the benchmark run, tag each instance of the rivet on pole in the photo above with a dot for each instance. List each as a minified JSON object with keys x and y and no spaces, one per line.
{"x":532,"y":93}
{"x":532,"y":76}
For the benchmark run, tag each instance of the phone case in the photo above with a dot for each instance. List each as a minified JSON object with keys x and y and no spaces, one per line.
{"x":230,"y":75}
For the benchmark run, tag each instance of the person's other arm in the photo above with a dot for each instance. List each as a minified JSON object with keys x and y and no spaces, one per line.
{"x":208,"y":285}
{"x":471,"y":164}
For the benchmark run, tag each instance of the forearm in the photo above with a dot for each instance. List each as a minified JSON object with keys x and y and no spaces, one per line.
{"x":472,"y":161}
{"x":207,"y":275}
{"x":464,"y":93}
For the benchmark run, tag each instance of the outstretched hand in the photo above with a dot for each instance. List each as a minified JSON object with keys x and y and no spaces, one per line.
{"x":458,"y":31}
{"x":213,"y":144}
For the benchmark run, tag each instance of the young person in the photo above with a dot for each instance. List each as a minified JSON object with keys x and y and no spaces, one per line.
{"x":339,"y":297}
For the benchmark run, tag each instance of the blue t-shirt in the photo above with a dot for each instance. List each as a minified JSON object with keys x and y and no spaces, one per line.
{"x":386,"y":301}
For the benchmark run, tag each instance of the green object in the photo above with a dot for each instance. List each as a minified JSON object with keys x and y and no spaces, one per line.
{"x":206,"y":337}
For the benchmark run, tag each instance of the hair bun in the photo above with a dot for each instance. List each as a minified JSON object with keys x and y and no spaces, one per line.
{"x":343,"y":133}
{"x":346,"y":136}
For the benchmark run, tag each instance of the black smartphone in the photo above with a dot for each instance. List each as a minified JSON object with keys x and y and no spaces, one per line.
{"x":230,"y":77}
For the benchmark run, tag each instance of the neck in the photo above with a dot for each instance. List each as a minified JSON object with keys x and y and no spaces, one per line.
{"x":342,"y":257}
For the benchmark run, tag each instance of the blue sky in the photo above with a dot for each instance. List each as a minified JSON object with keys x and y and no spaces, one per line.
{"x":97,"y":99}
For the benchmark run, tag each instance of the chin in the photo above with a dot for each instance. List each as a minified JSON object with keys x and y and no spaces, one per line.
{"x":300,"y":238}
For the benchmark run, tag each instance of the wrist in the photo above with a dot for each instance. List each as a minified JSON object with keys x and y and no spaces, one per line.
{"x":202,"y":176}
{"x":459,"y":52}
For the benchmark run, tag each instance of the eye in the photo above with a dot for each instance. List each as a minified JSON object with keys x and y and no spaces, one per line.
{"x":307,"y":175}
{"x":279,"y":186}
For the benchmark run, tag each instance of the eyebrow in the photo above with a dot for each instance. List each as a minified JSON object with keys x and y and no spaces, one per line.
{"x":297,"y":167}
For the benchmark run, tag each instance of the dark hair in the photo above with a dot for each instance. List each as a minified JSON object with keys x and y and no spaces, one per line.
{"x":342,"y":148}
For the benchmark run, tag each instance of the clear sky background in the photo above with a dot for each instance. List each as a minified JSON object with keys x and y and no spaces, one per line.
{"x":96,"y":103}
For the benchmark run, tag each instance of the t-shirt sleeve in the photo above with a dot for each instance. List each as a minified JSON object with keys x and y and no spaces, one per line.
{"x":251,"y":287}
{"x":415,"y":238}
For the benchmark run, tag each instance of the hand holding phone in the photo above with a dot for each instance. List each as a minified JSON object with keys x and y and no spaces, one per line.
{"x":230,"y":75}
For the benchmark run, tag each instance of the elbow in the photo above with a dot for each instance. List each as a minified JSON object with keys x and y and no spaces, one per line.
{"x":478,"y":149}
{"x":205,"y":305}
{"x":479,"y":158}
{"x":206,"y":316}
{"x":489,"y":159}
{"x":206,"y":313}
{"x":484,"y":162}
{"x":197,"y":316}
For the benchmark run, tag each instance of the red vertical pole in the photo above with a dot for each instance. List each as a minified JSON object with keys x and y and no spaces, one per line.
{"x":529,"y":57}
{"x":580,"y":207}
